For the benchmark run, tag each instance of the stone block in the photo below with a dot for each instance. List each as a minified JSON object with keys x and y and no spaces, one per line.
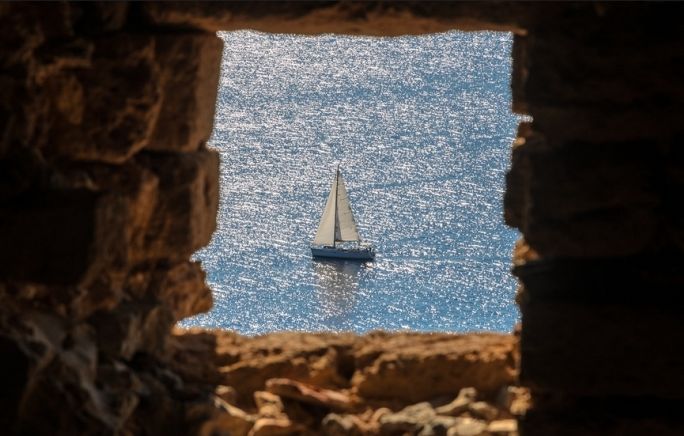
{"x":276,"y":427}
{"x":50,"y":364}
{"x":607,"y":64}
{"x":184,"y":290}
{"x":180,"y":287}
{"x":468,"y":427}
{"x":269,"y":405}
{"x":219,"y":418}
{"x":605,"y":417}
{"x":23,"y":27}
{"x":607,"y":349}
{"x":131,"y":327}
{"x":104,"y":112}
{"x":503,"y":427}
{"x":460,"y":404}
{"x":63,"y":237}
{"x":189,"y":77}
{"x":617,"y":232}
{"x":413,"y":371}
{"x":403,"y":18}
{"x":342,"y":425}
{"x":410,"y":420}
{"x":600,"y":124}
{"x":581,"y":178}
{"x":16,"y":367}
{"x":672,"y":198}
{"x":95,"y":18}
{"x":519,"y":75}
{"x":517,"y":185}
{"x":309,"y":394}
{"x":582,"y":200}
{"x":484,"y":410}
{"x":184,"y":215}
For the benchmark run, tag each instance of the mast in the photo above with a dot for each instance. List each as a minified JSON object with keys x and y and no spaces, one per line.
{"x":337,"y":184}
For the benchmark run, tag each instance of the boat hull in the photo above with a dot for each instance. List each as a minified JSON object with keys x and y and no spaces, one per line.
{"x":338,"y":253}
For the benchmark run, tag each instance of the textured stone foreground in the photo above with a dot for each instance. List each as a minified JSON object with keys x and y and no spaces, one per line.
{"x":322,"y":383}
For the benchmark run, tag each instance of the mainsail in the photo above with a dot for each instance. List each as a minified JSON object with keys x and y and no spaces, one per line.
{"x":337,"y":223}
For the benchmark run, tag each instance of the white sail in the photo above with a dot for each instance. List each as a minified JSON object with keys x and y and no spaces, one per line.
{"x":337,"y":223}
{"x":326,"y":228}
{"x":345,"y":226}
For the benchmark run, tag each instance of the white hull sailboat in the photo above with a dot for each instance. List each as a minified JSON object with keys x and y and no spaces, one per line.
{"x":337,"y":235}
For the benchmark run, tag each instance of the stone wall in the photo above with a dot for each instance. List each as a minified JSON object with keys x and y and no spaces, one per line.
{"x":107,"y":188}
{"x":595,"y":188}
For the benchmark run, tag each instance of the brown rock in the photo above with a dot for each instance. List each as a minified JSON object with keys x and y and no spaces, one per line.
{"x":180,"y":287}
{"x":247,"y":362}
{"x":76,"y":230}
{"x":132,"y":327}
{"x":269,"y":405}
{"x":514,"y":399}
{"x":341,"y":425}
{"x":120,"y":111}
{"x":484,"y":410}
{"x":275,"y":427}
{"x":222,"y":419}
{"x":379,"y":413}
{"x":309,"y":394}
{"x":226,"y":393}
{"x":318,"y":18}
{"x":189,"y":73}
{"x":468,"y":427}
{"x":503,"y":427}
{"x":412,"y":367}
{"x":57,"y":368}
{"x":185,"y":213}
{"x":554,"y":197}
{"x":460,"y":404}
{"x":183,"y":289}
{"x":192,"y":355}
{"x":131,"y":186}
{"x":439,"y":426}
{"x":565,"y":360}
{"x":98,"y":18}
{"x":411,"y":419}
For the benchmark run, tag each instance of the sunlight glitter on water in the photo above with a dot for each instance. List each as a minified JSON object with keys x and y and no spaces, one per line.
{"x":422,"y":128}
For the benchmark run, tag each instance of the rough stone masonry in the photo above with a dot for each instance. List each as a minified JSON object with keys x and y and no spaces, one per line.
{"x":107,"y":187}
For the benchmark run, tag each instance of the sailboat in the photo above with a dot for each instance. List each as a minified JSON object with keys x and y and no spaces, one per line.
{"x":337,"y":235}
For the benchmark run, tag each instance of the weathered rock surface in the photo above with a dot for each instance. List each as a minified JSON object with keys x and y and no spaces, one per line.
{"x":397,"y":366}
{"x":411,"y":419}
{"x":354,"y":18}
{"x":184,"y":215}
{"x":189,"y":75}
{"x":92,"y":118}
{"x":309,"y":394}
{"x":275,"y":427}
{"x":106,"y":190}
{"x":504,"y":427}
{"x":269,"y":405}
{"x":220,"y":418}
{"x":290,"y":382}
{"x":468,"y":427}
{"x":342,"y":425}
{"x":460,"y":404}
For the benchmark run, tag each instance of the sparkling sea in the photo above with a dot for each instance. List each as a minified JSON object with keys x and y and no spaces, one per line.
{"x":422,"y":129}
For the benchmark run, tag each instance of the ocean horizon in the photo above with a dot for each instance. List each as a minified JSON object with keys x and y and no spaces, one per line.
{"x":421,"y":127}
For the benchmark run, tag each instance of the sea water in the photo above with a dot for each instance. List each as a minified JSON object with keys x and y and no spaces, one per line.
{"x":421,"y":128}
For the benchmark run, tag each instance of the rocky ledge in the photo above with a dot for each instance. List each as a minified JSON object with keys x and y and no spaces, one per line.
{"x":343,"y":384}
